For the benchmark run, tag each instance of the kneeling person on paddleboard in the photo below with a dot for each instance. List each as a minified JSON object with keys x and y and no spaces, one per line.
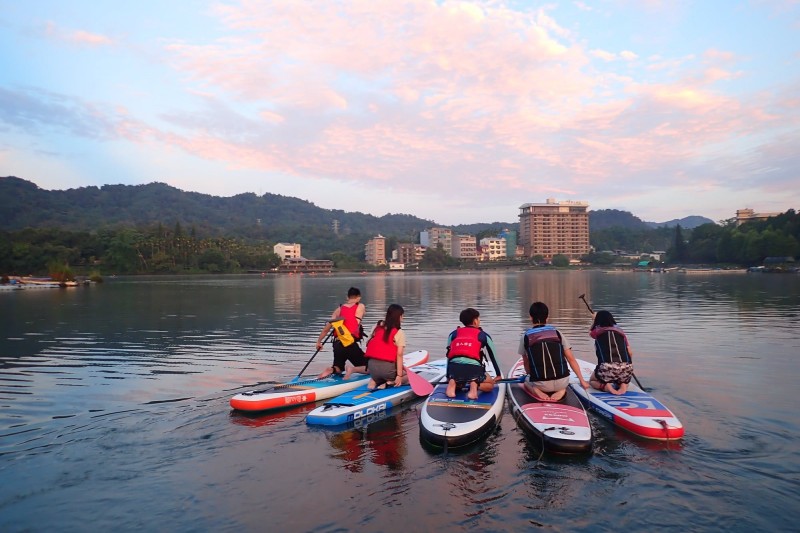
{"x":347,"y":331}
{"x":385,"y":352}
{"x":614,"y":363}
{"x":467,"y":348}
{"x":547,"y":357}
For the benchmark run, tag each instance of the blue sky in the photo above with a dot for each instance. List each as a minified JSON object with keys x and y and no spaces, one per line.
{"x":457,"y":112}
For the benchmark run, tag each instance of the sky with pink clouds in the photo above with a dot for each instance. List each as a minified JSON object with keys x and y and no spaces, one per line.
{"x":453,"y":111}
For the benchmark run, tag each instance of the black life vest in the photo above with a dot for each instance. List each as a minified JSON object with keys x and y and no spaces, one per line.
{"x":610,"y":345}
{"x":545,"y":354}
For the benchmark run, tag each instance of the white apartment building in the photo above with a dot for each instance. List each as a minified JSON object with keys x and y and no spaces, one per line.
{"x":747,"y":215}
{"x":433,"y":237}
{"x":464,"y":247}
{"x":494,"y":248}
{"x":287,"y":251}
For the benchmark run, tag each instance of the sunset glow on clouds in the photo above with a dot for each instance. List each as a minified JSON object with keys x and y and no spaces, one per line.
{"x":457,"y":112}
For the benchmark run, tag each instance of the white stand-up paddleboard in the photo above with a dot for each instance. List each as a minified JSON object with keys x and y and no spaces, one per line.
{"x":636,"y":411}
{"x":459,"y":421}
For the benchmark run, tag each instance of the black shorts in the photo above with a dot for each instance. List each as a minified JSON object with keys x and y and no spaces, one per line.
{"x":464,"y":373}
{"x":352,"y":353}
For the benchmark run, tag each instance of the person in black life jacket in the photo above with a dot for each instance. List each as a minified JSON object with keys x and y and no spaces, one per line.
{"x":384,"y":352}
{"x":547,"y":357}
{"x":467,"y":347}
{"x":614,"y":356}
{"x":345,"y":347}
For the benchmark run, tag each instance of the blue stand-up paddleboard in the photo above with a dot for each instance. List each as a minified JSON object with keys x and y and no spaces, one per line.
{"x":304,"y":390}
{"x":559,"y":427}
{"x":454,"y":422}
{"x":636,"y":411}
{"x":361,"y":406}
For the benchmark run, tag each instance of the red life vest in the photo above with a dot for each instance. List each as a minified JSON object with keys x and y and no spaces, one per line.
{"x":377,"y":348}
{"x":348,"y":313}
{"x":466,"y":344}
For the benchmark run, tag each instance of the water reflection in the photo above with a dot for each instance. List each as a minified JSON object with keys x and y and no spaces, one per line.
{"x":103,"y":385}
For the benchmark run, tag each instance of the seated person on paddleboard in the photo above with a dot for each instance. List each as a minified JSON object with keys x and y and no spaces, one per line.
{"x":345,"y":347}
{"x":547,"y":357}
{"x":467,"y":347}
{"x":385,"y":352}
{"x":614,"y":364}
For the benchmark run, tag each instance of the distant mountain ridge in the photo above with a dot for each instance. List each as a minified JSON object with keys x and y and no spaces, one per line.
{"x":689,"y":222}
{"x":23,"y":204}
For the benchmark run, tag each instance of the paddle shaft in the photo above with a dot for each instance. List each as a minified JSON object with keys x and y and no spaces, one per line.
{"x":315,"y":353}
{"x":583,"y":297}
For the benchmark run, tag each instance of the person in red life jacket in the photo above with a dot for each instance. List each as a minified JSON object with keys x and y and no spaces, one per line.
{"x":547,"y":357}
{"x":385,"y":352}
{"x":467,"y":347}
{"x":614,"y":363}
{"x":352,"y":312}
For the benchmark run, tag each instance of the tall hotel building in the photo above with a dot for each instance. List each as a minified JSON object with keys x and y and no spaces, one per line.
{"x":554,"y":228}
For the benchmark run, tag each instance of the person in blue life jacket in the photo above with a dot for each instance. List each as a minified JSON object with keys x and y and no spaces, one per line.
{"x":547,"y":357}
{"x":345,"y":347}
{"x":384,"y":353}
{"x":614,"y":355}
{"x":467,"y":347}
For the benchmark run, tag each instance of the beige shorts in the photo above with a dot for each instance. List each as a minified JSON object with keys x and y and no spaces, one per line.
{"x":550,"y":386}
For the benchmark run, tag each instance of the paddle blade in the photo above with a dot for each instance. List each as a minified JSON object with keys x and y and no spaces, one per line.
{"x":419,"y":385}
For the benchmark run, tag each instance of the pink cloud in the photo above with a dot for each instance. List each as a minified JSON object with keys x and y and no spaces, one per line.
{"x":79,"y":37}
{"x":419,"y":95}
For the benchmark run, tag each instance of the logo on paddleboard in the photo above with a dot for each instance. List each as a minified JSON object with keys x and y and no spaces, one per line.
{"x":368,"y":411}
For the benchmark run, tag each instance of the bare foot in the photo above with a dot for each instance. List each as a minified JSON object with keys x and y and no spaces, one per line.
{"x":348,"y":371}
{"x":541,"y":396}
{"x":556,"y":396}
{"x":623,"y":388}
{"x":450,"y":392}
{"x":325,"y":373}
{"x":371,"y":384}
{"x":473,"y":391}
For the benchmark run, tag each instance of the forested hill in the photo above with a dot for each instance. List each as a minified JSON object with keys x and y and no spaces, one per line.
{"x":23,"y":204}
{"x":279,"y":218}
{"x":690,"y":222}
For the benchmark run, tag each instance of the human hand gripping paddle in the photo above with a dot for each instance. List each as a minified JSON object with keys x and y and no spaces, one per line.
{"x":583,"y":297}
{"x":315,"y":353}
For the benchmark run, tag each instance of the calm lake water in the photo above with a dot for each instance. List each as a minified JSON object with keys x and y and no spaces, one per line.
{"x":114,"y":408}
